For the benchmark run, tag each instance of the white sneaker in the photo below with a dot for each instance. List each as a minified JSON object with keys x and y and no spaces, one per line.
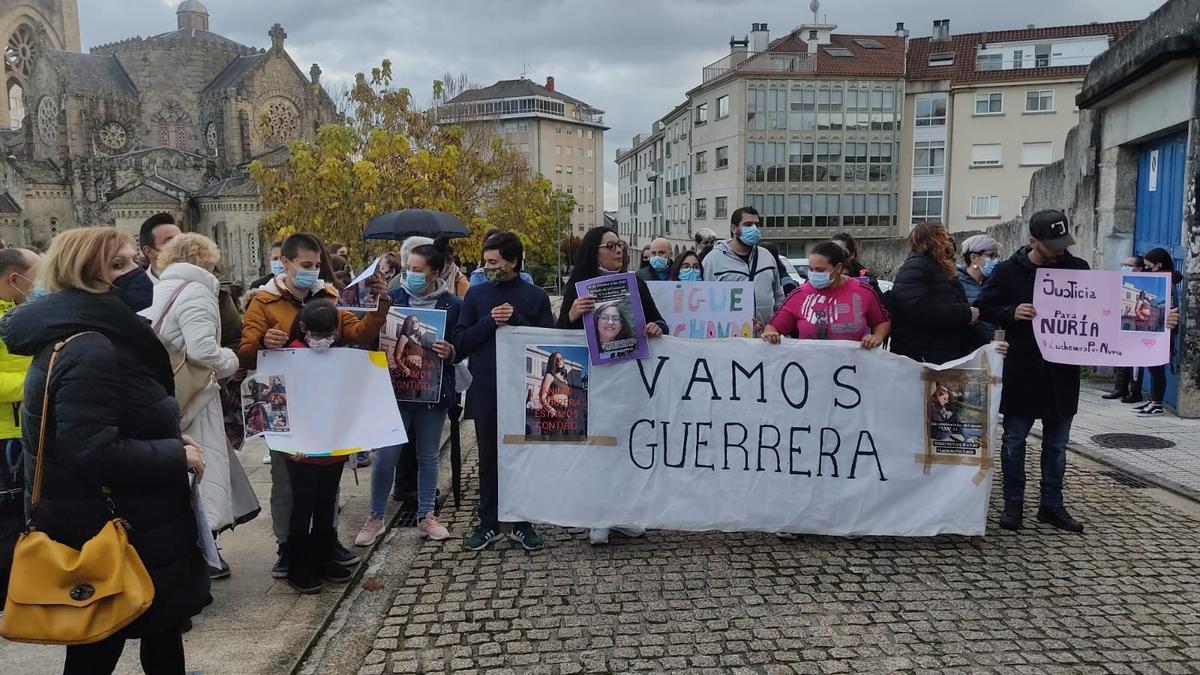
{"x":598,"y":536}
{"x":1144,"y":406}
{"x":630,"y":531}
{"x":267,"y":458}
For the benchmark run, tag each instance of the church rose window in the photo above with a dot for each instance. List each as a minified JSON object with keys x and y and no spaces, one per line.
{"x":112,"y":135}
{"x":47,"y":118}
{"x":283,"y":121}
{"x":18,"y":53}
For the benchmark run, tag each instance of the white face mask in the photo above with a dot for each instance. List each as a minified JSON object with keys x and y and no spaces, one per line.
{"x":320,"y":344}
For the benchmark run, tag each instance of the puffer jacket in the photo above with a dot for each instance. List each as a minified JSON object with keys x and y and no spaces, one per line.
{"x":113,"y":423}
{"x":273,"y":306}
{"x":194,"y":320}
{"x":930,"y":314}
{"x":12,"y":384}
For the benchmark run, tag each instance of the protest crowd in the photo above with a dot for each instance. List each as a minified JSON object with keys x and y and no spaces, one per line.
{"x":123,"y":363}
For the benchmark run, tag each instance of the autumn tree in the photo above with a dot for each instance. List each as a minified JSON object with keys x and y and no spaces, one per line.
{"x":390,"y":154}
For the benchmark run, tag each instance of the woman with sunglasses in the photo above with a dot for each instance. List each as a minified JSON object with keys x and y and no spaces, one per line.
{"x":602,"y":253}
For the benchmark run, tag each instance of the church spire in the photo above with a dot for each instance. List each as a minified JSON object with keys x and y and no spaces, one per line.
{"x":192,"y":15}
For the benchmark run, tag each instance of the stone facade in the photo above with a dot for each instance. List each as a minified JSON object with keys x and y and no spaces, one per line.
{"x":163,"y":123}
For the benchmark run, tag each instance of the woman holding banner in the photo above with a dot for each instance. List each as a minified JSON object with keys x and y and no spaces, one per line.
{"x":423,"y":288}
{"x":600,"y":253}
{"x":831,"y":306}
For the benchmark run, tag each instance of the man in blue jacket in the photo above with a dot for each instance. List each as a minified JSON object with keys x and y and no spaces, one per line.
{"x":505,"y":300}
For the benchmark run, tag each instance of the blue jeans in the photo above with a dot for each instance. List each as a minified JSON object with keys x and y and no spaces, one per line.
{"x":1054,"y":458}
{"x":423,"y":424}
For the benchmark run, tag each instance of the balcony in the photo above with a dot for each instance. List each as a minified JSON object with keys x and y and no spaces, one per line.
{"x":760,"y":63}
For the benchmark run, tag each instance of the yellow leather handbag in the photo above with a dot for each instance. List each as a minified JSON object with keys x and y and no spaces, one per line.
{"x":61,"y":596}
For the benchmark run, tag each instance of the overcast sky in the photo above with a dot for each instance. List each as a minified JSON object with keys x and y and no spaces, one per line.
{"x":633,"y":59}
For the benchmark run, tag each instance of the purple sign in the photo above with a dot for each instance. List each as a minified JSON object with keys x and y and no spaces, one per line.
{"x":1096,"y":318}
{"x":616,"y":328}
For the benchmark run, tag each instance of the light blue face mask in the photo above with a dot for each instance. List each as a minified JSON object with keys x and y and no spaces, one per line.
{"x":659,"y":263}
{"x":1126,"y":268}
{"x":277,"y":267}
{"x":414,"y":282}
{"x":989,"y":266}
{"x":689,"y":274}
{"x":819,"y":279}
{"x":308,"y":279}
{"x":750,"y":235}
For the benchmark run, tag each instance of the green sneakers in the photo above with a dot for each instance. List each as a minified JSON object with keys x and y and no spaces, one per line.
{"x":527,"y":537}
{"x":482,"y":538}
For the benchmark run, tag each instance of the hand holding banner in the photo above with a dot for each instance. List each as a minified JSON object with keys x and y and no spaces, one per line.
{"x":616,"y":328}
{"x":1099,"y":318}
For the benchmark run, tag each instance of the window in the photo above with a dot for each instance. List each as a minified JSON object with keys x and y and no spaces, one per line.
{"x":1041,"y":100}
{"x":1037,"y":153}
{"x":558,"y":168}
{"x":756,"y":109}
{"x":558,"y":149}
{"x":181,"y":135}
{"x":986,"y":154}
{"x":701,"y":208}
{"x":773,"y":212}
{"x":926,"y":206}
{"x":941,"y":59}
{"x":721,"y":207}
{"x":723,"y":157}
{"x":989,"y":104}
{"x":702,"y":161}
{"x":723,"y":107}
{"x":589,"y":153}
{"x":589,"y":133}
{"x":558,"y":129}
{"x":1018,"y":58}
{"x":777,"y":109}
{"x":701,"y":114}
{"x":839,"y":52}
{"x":929,"y":158}
{"x":1041,"y":56}
{"x":931,"y":110}
{"x":570,"y":170}
{"x":803,"y":110}
{"x":985,"y":206}
{"x":989,"y":62}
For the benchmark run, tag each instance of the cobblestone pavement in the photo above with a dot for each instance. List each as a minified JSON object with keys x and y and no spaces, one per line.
{"x":1123,"y":597}
{"x":1177,"y":468}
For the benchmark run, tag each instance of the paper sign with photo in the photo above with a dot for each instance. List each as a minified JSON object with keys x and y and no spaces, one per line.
{"x":407,"y":338}
{"x":616,"y":328}
{"x":556,"y":396}
{"x":956,"y":407}
{"x":265,"y":405}
{"x":357,"y":296}
{"x":1098,"y":318}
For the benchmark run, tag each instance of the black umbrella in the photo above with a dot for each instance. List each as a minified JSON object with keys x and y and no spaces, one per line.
{"x":408,"y":222}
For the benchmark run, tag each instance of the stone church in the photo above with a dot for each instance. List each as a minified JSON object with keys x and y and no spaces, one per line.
{"x":169,"y":122}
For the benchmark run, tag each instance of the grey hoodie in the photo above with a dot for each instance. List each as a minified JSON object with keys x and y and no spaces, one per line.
{"x":722,"y":264}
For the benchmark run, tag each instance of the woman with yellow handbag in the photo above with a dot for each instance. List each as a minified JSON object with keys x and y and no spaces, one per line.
{"x":111,"y":552}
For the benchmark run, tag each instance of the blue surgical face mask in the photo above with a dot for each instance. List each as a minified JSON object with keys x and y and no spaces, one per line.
{"x":689,"y":274}
{"x":989,"y":266}
{"x":750,"y":235}
{"x":659,"y":263}
{"x":277,"y":267}
{"x":1126,"y":268}
{"x":819,"y":279}
{"x":308,"y":279}
{"x":414,"y":282}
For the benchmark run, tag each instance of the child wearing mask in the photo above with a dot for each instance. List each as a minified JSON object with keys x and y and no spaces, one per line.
{"x":315,"y":480}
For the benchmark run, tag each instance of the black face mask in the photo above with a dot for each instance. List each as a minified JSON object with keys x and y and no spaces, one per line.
{"x":135,"y":289}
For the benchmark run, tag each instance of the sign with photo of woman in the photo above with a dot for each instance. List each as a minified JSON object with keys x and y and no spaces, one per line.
{"x":957,"y":412}
{"x":265,"y":405}
{"x":407,"y":338}
{"x":556,"y":398}
{"x":616,"y":328}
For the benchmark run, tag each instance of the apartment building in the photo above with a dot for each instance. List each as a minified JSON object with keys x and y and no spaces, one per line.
{"x":804,"y":127}
{"x":639,"y":211}
{"x":562,"y":137}
{"x":983,"y":111}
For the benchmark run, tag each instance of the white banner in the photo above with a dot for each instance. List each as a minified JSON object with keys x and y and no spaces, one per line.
{"x":335,"y":402}
{"x":810,"y":437}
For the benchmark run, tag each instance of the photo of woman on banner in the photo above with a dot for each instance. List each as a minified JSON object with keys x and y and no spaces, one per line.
{"x":556,"y":405}
{"x":409,"y":352}
{"x":944,"y":421}
{"x":614,"y":330}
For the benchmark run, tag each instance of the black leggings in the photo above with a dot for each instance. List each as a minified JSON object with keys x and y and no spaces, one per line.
{"x":161,"y":655}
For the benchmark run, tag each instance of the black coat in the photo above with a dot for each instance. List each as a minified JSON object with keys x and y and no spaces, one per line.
{"x":930,"y":313}
{"x":648,"y":307}
{"x":113,"y":423}
{"x":1033,"y":387}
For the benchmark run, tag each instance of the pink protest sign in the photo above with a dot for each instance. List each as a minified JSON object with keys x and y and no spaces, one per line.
{"x":1096,"y":318}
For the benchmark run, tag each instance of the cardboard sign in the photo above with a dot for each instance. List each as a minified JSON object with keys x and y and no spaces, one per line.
{"x":705,"y":310}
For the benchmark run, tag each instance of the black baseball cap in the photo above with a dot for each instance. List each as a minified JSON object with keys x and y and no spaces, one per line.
{"x":1051,"y":228}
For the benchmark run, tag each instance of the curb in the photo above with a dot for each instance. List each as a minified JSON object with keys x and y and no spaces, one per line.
{"x":1137,"y":472}
{"x":444,"y":478}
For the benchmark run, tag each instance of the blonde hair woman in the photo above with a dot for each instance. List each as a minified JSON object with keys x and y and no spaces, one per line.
{"x":186,"y":314}
{"x":116,"y":428}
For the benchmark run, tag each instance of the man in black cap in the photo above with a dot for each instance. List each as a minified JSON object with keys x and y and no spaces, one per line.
{"x":1033,"y":388}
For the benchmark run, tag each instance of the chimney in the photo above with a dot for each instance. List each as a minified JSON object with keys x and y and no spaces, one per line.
{"x":315,"y":73}
{"x":760,"y":36}
{"x":813,"y":42}
{"x":550,"y":83}
{"x":737,"y":49}
{"x":941,"y":30}
{"x":901,"y":31}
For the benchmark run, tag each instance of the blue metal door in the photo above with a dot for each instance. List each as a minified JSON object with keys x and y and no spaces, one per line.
{"x":1159,"y":217}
